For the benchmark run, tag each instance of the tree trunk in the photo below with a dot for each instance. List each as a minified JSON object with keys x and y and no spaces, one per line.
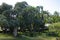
{"x":15,"y":31}
{"x":11,"y":30}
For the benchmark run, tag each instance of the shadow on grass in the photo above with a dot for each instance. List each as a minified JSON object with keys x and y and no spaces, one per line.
{"x":14,"y":38}
{"x":22,"y":37}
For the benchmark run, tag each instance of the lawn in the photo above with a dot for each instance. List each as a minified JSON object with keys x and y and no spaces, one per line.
{"x":22,"y":37}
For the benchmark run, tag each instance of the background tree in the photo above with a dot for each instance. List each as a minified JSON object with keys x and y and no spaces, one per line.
{"x":56,"y":17}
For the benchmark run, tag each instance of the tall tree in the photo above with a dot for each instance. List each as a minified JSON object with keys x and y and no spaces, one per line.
{"x":56,"y":13}
{"x":11,"y":17}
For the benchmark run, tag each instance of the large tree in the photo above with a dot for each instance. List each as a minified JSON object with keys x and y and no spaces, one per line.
{"x":11,"y":17}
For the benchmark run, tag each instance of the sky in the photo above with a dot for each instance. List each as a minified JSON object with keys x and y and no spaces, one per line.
{"x":50,"y":5}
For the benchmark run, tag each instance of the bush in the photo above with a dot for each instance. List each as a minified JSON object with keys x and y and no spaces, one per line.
{"x":55,"y":28}
{"x":52,"y":34}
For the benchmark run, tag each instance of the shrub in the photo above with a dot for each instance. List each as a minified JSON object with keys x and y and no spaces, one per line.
{"x":55,"y":28}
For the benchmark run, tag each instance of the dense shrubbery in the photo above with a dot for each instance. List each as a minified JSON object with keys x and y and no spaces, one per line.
{"x":54,"y":29}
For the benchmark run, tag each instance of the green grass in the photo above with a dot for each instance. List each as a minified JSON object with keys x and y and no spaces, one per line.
{"x":22,"y":37}
{"x":10,"y":37}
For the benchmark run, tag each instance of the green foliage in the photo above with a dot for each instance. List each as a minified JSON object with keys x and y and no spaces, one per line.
{"x":5,"y":7}
{"x":19,"y":6}
{"x":51,"y":18}
{"x":24,"y":16}
{"x":29,"y":18}
{"x":3,"y":21}
{"x":55,"y":27}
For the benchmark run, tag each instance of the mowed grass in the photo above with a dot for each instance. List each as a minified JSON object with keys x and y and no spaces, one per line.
{"x":22,"y":37}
